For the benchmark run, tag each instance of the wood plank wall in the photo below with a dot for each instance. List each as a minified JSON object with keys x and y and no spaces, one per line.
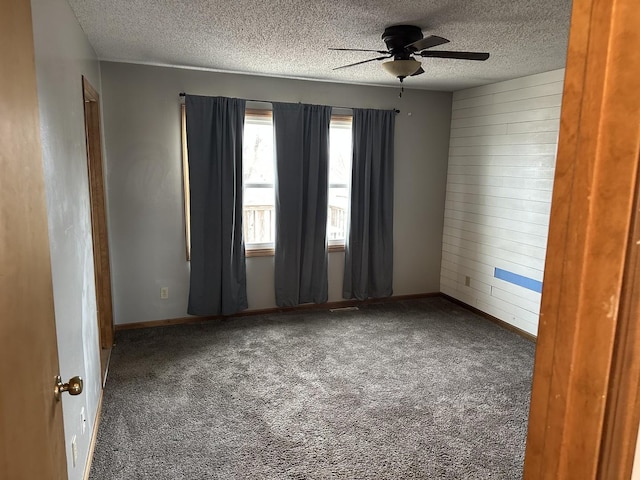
{"x":502,"y":154}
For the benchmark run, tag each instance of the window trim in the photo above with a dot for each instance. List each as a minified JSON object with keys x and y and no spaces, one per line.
{"x":340,"y":121}
{"x":186,"y":192}
{"x":262,"y":249}
{"x":259,"y":252}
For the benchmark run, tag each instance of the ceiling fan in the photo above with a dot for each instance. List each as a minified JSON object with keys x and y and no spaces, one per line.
{"x":403,"y":43}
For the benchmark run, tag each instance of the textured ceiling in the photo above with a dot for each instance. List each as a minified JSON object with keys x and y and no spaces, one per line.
{"x":290,"y":38}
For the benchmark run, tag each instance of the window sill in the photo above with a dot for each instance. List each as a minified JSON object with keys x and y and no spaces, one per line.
{"x":270,"y":252}
{"x":259,"y":252}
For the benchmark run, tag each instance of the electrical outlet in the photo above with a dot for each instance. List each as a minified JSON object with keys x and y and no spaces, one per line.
{"x":74,"y":451}
{"x":467,"y":281}
{"x":83,"y":420}
{"x":164,"y":293}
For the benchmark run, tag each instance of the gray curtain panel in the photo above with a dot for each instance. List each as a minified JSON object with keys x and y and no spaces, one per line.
{"x":368,"y":270}
{"x":218,"y":270}
{"x":302,"y":163}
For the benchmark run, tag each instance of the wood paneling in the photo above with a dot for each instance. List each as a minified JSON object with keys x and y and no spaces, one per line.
{"x":520,"y":101}
{"x":552,"y":113}
{"x":589,"y":312}
{"x":511,"y":203}
{"x":500,"y":212}
{"x":499,"y":184}
{"x":484,"y":91}
{"x":505,"y":139}
{"x":458,"y":228}
{"x":504,"y":160}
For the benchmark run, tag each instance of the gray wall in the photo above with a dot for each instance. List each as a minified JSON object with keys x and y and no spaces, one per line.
{"x":502,"y":155}
{"x":63,"y":55}
{"x":141,"y":114}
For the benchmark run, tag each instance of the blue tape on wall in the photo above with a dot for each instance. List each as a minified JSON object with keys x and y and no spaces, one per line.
{"x":520,"y":280}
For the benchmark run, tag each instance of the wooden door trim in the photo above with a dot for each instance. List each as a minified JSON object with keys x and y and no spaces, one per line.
{"x":574,"y":418}
{"x":102,"y":271}
{"x":623,"y":402}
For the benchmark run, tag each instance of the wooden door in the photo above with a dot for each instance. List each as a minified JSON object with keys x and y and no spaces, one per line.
{"x":31,"y":428}
{"x":98,"y":222}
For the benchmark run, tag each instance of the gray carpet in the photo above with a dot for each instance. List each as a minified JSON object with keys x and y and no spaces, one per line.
{"x":406,"y":390}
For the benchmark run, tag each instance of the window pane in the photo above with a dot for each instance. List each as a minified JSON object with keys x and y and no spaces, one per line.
{"x":259,"y":220}
{"x":338,"y":209}
{"x":257,"y":151}
{"x":339,"y":181}
{"x":340,"y":154}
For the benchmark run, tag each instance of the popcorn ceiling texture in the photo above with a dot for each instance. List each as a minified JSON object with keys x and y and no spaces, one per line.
{"x":290,"y":38}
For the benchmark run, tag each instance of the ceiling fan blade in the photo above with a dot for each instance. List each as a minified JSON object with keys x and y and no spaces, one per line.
{"x":364,"y":61}
{"x":358,"y":50}
{"x":426,"y":42}
{"x":420,"y":71}
{"x":457,"y":55}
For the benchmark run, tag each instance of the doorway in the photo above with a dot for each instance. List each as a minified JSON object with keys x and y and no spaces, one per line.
{"x":99,"y":230}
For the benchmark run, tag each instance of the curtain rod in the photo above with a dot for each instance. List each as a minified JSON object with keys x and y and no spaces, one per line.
{"x":182,"y":94}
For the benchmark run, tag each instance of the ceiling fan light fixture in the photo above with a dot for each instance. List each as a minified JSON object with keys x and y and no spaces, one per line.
{"x":402,"y":68}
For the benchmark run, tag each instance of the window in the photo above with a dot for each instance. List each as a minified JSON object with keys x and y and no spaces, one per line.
{"x":339,"y":179}
{"x":259,"y":218}
{"x":258,"y":177}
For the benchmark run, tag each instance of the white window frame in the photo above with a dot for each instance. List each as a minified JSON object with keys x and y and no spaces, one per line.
{"x":264,"y":248}
{"x":338,"y":244}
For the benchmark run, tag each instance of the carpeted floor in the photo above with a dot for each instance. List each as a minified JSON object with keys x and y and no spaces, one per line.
{"x":418,"y":389}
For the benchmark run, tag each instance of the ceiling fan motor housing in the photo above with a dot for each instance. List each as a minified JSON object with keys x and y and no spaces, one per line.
{"x":397,"y":37}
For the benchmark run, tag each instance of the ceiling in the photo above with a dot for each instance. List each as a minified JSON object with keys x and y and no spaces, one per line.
{"x":290,"y":38}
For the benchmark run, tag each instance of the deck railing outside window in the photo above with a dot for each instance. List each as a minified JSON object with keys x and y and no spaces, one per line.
{"x":259,"y":223}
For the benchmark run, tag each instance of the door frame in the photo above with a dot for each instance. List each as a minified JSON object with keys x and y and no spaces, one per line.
{"x":99,"y":231}
{"x":584,"y":413}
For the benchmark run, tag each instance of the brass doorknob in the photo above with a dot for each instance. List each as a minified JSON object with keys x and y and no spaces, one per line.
{"x":74,"y":386}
